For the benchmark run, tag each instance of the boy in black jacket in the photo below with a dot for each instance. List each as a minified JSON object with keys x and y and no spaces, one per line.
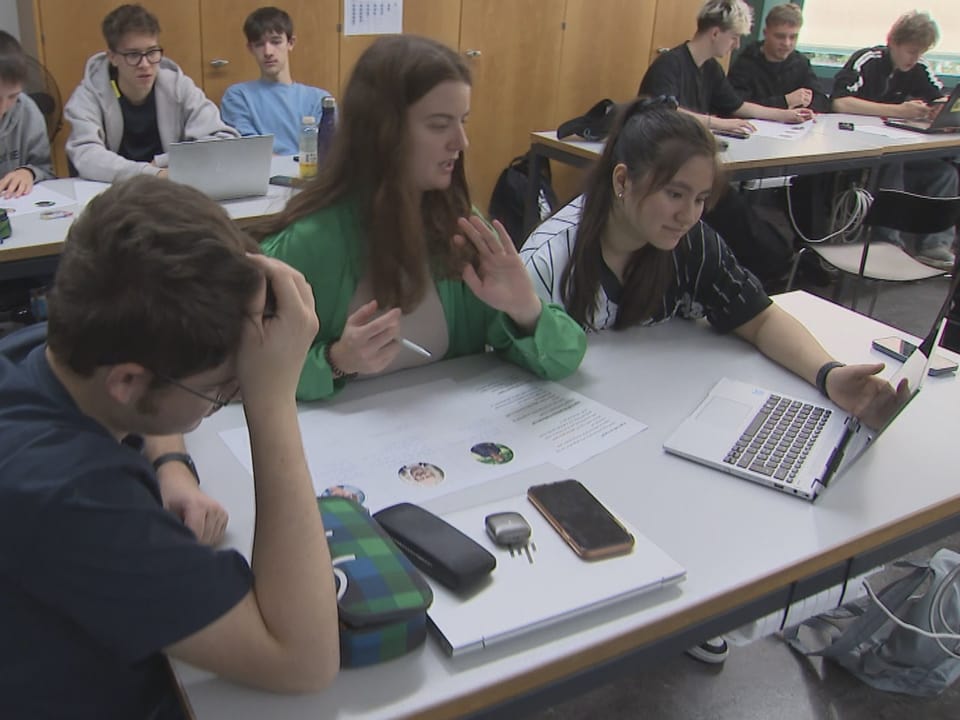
{"x":771,"y":72}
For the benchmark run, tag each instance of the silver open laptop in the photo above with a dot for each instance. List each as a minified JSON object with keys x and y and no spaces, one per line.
{"x":223,"y":168}
{"x":790,"y":444}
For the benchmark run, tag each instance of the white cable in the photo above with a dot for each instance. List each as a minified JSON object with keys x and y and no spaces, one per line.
{"x":853,"y":203}
{"x":913,"y":628}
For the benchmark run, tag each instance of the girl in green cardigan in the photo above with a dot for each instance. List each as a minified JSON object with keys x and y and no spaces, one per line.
{"x":388,"y":240}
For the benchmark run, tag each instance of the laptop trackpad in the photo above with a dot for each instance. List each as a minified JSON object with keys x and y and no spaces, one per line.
{"x":723,"y":412}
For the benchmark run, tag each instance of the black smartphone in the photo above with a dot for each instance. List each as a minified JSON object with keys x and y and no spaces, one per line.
{"x":900,"y":349}
{"x":845,"y":125}
{"x":580,"y":519}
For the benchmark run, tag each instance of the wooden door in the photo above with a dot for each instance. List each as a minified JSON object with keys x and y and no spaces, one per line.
{"x":437,"y":19}
{"x":676,"y":22}
{"x":514,"y":50}
{"x":226,"y":60}
{"x":592,"y":70}
{"x":69,"y":33}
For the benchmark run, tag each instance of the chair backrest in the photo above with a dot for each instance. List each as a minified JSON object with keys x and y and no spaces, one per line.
{"x":911,"y":213}
{"x":18,"y":344}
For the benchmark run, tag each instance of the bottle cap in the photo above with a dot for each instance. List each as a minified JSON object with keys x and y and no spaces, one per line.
{"x":308,"y":120}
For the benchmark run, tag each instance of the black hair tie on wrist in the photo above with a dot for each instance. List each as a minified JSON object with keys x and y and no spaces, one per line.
{"x":822,"y":373}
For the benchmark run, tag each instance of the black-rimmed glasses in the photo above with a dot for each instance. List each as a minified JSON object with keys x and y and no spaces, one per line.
{"x":133,"y":57}
{"x":225,"y":395}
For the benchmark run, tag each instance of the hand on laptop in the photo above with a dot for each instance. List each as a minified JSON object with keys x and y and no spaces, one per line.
{"x":858,"y":390}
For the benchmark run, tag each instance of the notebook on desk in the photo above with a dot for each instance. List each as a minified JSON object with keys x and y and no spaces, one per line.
{"x":223,"y":168}
{"x":946,"y":121}
{"x":530,"y":591}
{"x":792,"y":445}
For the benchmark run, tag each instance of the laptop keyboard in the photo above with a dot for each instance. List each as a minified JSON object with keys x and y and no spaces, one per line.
{"x":779,"y":438}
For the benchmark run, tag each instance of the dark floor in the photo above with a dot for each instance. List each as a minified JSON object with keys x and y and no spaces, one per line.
{"x":767,"y":680}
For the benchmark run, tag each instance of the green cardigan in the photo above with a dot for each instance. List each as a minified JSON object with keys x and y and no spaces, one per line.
{"x":326,"y":248}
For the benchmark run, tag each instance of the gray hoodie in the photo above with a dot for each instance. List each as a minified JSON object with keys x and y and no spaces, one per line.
{"x":23,"y":140}
{"x":183,"y":113}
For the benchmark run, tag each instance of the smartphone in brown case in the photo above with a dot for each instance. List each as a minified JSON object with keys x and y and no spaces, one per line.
{"x":580,"y":519}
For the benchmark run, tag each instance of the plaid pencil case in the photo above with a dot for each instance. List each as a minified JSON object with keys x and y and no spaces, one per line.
{"x":382,"y":598}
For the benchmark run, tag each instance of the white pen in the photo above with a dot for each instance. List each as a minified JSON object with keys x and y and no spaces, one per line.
{"x":410,"y":345}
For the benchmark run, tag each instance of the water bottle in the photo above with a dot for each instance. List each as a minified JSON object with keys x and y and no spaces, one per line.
{"x":308,"y":147}
{"x":328,"y":119}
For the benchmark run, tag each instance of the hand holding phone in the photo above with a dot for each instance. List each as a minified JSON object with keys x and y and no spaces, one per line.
{"x":590,"y":530}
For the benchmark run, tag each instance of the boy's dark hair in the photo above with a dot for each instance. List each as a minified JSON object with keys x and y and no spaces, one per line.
{"x":267,"y":20}
{"x":13,"y":63}
{"x":126,"y":19}
{"x":153,"y":273}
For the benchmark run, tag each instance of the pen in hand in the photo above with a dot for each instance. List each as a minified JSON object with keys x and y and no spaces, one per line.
{"x":410,"y":345}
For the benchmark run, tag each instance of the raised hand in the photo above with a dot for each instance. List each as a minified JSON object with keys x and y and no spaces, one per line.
{"x":499,"y":278}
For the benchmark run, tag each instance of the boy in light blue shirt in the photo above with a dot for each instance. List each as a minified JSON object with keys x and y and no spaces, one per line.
{"x":274,"y":104}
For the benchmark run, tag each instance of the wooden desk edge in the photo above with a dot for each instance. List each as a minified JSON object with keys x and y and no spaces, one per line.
{"x":29,"y":252}
{"x":490,"y":696}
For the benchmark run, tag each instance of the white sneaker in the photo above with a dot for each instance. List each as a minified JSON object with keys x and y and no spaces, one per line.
{"x":938,"y":256}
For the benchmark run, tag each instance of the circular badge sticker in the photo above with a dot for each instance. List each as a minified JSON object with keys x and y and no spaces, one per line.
{"x":44,"y":203}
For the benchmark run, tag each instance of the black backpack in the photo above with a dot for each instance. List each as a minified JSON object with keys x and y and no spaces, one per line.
{"x":506,"y":202}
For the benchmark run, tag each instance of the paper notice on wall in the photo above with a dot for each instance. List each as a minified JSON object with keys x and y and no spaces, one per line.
{"x":372,"y":17}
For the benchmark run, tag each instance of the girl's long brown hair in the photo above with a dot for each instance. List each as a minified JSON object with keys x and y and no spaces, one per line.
{"x":406,"y":235}
{"x":653,"y":140}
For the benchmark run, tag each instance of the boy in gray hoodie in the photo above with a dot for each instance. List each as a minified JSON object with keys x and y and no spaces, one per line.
{"x":133,"y":103}
{"x":24,"y":148}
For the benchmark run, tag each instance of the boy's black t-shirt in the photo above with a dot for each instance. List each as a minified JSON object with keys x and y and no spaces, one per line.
{"x":141,"y":134}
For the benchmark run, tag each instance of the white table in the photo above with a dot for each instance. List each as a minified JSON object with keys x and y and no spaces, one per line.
{"x":825,"y":148}
{"x":36,"y":243}
{"x":746,"y":547}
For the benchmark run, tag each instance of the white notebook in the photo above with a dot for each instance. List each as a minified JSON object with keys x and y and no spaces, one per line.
{"x":552,"y":584}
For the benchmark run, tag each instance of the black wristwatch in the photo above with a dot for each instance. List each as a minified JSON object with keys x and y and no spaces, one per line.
{"x":178,"y":457}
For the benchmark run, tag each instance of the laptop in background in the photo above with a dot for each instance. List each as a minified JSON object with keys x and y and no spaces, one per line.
{"x":792,"y":445}
{"x":946,"y":121}
{"x":223,"y":168}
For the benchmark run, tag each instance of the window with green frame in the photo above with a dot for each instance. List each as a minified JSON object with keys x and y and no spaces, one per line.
{"x":832,"y":30}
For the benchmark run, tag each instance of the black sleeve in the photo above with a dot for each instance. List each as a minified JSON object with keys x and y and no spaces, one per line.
{"x":926,"y":85}
{"x":724,"y":100}
{"x":714,"y":284}
{"x":851,"y":80}
{"x":662,"y":77}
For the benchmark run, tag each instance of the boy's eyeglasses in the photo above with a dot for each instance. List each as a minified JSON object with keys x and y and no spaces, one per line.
{"x":133,"y":57}
{"x":223,"y":397}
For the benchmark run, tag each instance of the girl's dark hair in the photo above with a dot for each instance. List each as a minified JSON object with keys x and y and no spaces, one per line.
{"x":404,"y":234}
{"x":653,"y":140}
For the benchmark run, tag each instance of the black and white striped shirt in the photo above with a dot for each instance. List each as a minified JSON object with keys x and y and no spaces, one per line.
{"x":709,"y":282}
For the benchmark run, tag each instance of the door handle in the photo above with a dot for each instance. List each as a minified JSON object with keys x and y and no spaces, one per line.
{"x":219,"y":63}
{"x":472,"y":53}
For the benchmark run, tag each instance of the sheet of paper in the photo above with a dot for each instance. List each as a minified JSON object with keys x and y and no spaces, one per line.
{"x":372,"y":17}
{"x":407,"y":445}
{"x":575,"y":427}
{"x":890,"y":132}
{"x":40,"y":199}
{"x":781,"y":131}
{"x":87,"y":190}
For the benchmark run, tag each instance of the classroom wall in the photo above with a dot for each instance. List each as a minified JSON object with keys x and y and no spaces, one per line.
{"x":9,"y":17}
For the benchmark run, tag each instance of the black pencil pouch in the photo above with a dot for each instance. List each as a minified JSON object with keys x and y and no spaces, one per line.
{"x":435,"y":546}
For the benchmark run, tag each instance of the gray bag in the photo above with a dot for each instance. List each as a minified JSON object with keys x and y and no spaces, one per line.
{"x":860,"y":637}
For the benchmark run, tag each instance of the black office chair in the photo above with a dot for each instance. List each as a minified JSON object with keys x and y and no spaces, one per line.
{"x":882,"y":261}
{"x":18,"y":344}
